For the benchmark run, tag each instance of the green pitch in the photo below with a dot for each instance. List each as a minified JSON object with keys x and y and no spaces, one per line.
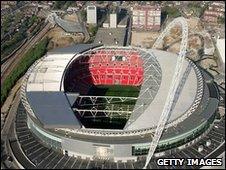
{"x":116,"y":90}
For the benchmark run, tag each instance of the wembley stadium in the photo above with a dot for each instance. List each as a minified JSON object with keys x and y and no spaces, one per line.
{"x":104,"y":102}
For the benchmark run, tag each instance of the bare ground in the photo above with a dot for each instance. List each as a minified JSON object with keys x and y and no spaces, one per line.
{"x":73,"y":17}
{"x":59,"y":38}
{"x":144,"y":38}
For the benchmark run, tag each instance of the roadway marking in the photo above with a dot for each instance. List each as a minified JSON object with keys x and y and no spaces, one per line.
{"x":74,"y":162}
{"x":155,"y":163}
{"x":220,"y":130}
{"x":216,"y":142}
{"x":173,"y":165}
{"x":46,"y":157}
{"x":88,"y":164}
{"x":58,"y":162}
{"x":80,"y":164}
{"x":22,"y":136}
{"x":149,"y":166}
{"x":28,"y":138}
{"x":29,"y":143}
{"x":36,"y":150}
{"x":23,"y":127}
{"x":213,"y":136}
{"x":205,"y":150}
{"x":51,"y":160}
{"x":37,"y":157}
{"x":33,"y":146}
{"x":66,"y":162}
{"x":191,"y":153}
{"x":218,"y":133}
{"x":197,"y":151}
{"x":132,"y":165}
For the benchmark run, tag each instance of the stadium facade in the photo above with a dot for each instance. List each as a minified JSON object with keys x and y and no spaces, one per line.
{"x":49,"y":93}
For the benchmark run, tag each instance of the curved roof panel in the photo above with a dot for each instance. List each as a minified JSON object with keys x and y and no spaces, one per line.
{"x":44,"y":92}
{"x":150,"y":116}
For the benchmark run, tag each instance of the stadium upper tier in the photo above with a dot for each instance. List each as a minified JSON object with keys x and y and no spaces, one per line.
{"x":106,"y":67}
{"x":152,"y":69}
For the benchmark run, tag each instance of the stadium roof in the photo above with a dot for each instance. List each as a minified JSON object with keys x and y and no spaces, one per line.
{"x":48,"y":73}
{"x":150,"y":116}
{"x":53,"y":110}
{"x":45,"y":91}
{"x":47,"y":77}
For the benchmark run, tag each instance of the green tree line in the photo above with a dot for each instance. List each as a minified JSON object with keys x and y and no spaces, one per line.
{"x":17,"y":37}
{"x":28,"y":59}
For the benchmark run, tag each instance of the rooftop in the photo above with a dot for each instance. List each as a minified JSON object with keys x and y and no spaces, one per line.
{"x":221,"y":48}
{"x":68,"y":26}
{"x":110,"y":36}
{"x":44,"y":89}
{"x":47,"y":76}
{"x":149,"y":117}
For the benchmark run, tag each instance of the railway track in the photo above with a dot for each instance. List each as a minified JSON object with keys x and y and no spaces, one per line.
{"x":8,"y":66}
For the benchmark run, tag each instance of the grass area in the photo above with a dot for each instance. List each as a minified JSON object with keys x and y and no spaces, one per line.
{"x":28,"y":59}
{"x":172,"y":12}
{"x":116,"y":90}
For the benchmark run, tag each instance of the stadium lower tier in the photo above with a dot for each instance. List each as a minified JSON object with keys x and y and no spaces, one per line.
{"x":44,"y":157}
{"x":113,"y":148}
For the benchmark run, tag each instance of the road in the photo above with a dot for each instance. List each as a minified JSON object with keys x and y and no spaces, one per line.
{"x":129,"y":32}
{"x":8,"y":66}
{"x":83,"y":25}
{"x":10,"y":117}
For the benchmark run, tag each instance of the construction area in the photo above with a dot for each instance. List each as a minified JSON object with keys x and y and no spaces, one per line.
{"x":71,"y":17}
{"x":200,"y":46}
{"x":60,"y":38}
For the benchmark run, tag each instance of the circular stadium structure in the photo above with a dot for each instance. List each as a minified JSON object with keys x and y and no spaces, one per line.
{"x":105,"y":102}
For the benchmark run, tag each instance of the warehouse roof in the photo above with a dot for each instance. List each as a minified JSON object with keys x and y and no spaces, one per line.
{"x":111,"y":36}
{"x":68,"y":26}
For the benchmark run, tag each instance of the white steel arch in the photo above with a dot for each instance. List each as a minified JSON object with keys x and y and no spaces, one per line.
{"x":175,"y":81}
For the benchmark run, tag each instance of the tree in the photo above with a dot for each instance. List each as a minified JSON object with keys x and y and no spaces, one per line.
{"x":28,"y":59}
{"x":221,"y":19}
{"x":172,"y":12}
{"x":83,"y":15}
{"x":93,"y":30}
{"x":59,"y":4}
